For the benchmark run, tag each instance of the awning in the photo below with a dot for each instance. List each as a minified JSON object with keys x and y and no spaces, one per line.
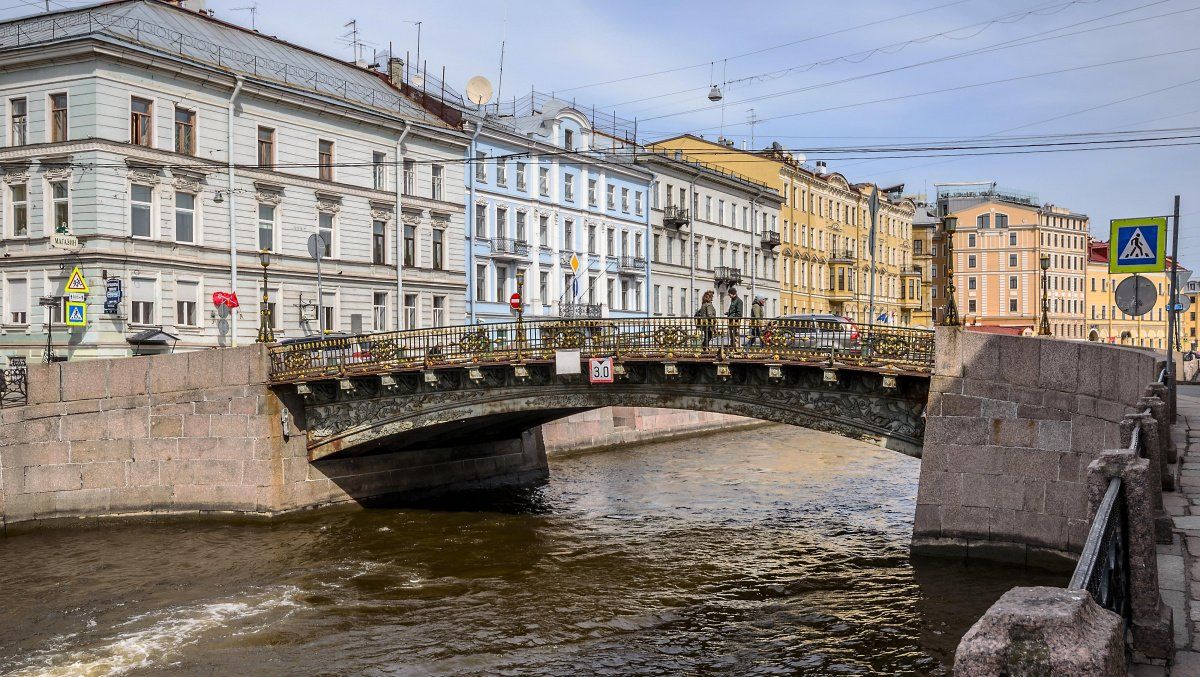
{"x":155,"y":336}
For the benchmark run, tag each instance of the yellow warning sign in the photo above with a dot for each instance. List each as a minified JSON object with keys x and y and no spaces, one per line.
{"x":76,"y":284}
{"x":574,"y":263}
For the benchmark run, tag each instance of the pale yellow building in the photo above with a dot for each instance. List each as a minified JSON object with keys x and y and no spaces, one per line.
{"x":1109,"y":324}
{"x":824,"y":231}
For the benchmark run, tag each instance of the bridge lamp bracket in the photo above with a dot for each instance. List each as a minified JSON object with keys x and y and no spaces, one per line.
{"x":723,"y":370}
{"x":618,"y":369}
{"x":521,"y":371}
{"x":387,"y":381}
{"x":889,"y":381}
{"x":431,"y":376}
{"x":303,"y":389}
{"x":775,"y":371}
{"x":670,"y":369}
{"x":475,"y":374}
{"x":345,"y":385}
{"x":830,"y":375}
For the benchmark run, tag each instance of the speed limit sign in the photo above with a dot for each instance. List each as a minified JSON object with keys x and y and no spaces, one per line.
{"x":600,"y":370}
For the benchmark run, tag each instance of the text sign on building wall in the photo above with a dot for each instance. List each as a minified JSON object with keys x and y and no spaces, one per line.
{"x":600,"y":370}
{"x":1137,"y":245}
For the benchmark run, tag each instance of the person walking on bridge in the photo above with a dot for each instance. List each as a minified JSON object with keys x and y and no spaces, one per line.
{"x":706,"y":317}
{"x":734,"y":313}
{"x":756,"y":318}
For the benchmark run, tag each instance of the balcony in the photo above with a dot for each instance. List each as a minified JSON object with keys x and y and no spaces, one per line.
{"x":843,"y":256}
{"x":675,"y":217}
{"x":632,"y":264}
{"x":770,"y":239}
{"x":910,"y":271}
{"x":508,"y":248}
{"x":587,"y":311}
{"x":840,"y":294}
{"x":910,"y":303}
{"x":727,"y":275}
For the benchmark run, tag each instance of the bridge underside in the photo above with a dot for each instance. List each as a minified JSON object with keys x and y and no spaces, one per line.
{"x":414,"y":410}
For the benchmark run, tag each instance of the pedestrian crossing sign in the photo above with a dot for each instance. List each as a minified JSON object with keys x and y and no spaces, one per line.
{"x":1138,"y":245}
{"x":76,"y":314}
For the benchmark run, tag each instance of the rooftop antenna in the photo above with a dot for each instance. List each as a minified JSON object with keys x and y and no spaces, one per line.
{"x":503,"y":40}
{"x":253,"y":9}
{"x":752,"y":120}
{"x":355,"y":43}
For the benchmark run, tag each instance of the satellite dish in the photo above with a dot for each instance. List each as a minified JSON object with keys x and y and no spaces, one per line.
{"x":479,"y":90}
{"x":418,"y":80}
{"x":799,"y":157}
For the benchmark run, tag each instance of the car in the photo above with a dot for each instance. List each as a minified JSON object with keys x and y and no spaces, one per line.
{"x":812,"y":330}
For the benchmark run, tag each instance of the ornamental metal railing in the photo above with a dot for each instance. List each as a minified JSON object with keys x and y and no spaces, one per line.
{"x":590,"y":311}
{"x":14,"y":385}
{"x":510,"y":246}
{"x":1104,"y":566}
{"x":760,"y":340}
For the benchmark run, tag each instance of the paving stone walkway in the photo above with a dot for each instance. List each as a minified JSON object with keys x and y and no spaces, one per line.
{"x":1179,"y":562}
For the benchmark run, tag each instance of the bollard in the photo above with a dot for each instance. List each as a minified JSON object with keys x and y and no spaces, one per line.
{"x":1161,"y":392}
{"x":1158,"y":410}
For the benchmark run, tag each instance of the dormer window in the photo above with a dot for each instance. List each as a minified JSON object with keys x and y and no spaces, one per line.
{"x":569,"y":139}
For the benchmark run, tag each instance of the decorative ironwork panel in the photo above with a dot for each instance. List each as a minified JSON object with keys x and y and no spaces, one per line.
{"x":14,"y":387}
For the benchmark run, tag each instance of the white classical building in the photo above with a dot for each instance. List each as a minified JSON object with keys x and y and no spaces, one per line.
{"x":541,"y":193}
{"x":711,"y":230}
{"x":120,"y":121}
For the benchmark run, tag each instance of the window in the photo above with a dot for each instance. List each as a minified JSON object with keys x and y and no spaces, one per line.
{"x":637,"y":202}
{"x":501,"y":282}
{"x":19,"y":201}
{"x":1012,"y":282}
{"x":569,"y":235}
{"x":141,"y":199}
{"x":439,"y":248}
{"x":266,"y":227}
{"x":591,"y":238}
{"x":568,"y":139}
{"x":266,"y":147}
{"x":569,"y":187}
{"x":325,"y":160}
{"x":657,"y":299}
{"x":379,"y":242}
{"x":624,"y":199}
{"x":544,"y":287}
{"x":501,"y":222}
{"x":971,"y":283}
{"x":19,"y":121}
{"x":591,"y":290}
{"x":439,"y":311}
{"x":58,"y":117}
{"x":140,"y":127}
{"x":971,"y":306}
{"x":971,"y":261}
{"x":481,"y":282}
{"x":611,"y":197}
{"x":543,"y":181}
{"x":185,"y":131}
{"x":670,"y":300}
{"x":983,"y":221}
{"x":609,"y":240}
{"x":378,"y":170}
{"x":1002,"y":220}
{"x":186,"y":295}
{"x":544,"y":231}
{"x":185,"y":217}
{"x":1012,"y":260}
{"x":971,"y":240}
{"x":1012,"y":305}
{"x":329,"y":312}
{"x":481,"y":166}
{"x":521,"y":216}
{"x":501,"y":173}
{"x":410,"y":172}
{"x":18,"y":301}
{"x":592,"y":192}
{"x":410,"y":245}
{"x":142,"y":300}
{"x":437,"y":174}
{"x":1012,"y":239}
{"x":60,"y":206}
{"x":379,"y":311}
{"x":480,"y":221}
{"x":521,"y":176}
{"x":325,"y":229}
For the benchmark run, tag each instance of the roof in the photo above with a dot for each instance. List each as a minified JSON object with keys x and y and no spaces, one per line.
{"x":152,"y":336}
{"x":182,"y":33}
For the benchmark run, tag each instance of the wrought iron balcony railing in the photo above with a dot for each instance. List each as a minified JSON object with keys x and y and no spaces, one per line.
{"x":648,"y":338}
{"x":842,"y":256}
{"x":675,"y":216}
{"x":770,"y":239}
{"x":727,"y":275}
{"x":506,"y":246}
{"x":580,"y":310}
{"x":633,"y":263}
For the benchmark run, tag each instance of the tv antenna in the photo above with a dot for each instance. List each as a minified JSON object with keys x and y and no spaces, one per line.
{"x":752,"y":120}
{"x":253,"y":9}
{"x":355,"y":43}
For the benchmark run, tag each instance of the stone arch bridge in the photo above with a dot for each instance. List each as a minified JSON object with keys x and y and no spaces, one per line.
{"x":450,"y":386}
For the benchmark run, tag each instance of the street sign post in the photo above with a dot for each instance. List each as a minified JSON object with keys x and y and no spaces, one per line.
{"x":1138,"y":245}
{"x":1182,"y":303}
{"x":77,"y":283}
{"x":600,"y":370}
{"x":1136,"y":295}
{"x":76,"y":314}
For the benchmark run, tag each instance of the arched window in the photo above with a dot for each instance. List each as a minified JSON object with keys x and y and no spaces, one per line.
{"x":1001,"y":220}
{"x":983,"y":221}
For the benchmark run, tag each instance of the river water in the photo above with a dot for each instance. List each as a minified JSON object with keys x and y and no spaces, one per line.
{"x":770,"y":551}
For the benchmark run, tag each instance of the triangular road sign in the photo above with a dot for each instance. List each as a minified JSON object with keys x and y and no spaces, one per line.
{"x":1138,"y":247}
{"x":76,"y":284}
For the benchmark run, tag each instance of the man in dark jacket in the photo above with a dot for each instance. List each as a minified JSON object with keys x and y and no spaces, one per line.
{"x":734,"y":313}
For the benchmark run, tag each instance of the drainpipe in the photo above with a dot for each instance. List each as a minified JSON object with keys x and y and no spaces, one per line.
{"x":646,"y":245}
{"x":400,"y":225}
{"x":469,"y":219}
{"x":233,"y":248}
{"x":691,"y":309}
{"x":754,"y":245}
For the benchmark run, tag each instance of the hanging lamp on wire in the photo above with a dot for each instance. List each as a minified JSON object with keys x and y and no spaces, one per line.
{"x":714,"y":94}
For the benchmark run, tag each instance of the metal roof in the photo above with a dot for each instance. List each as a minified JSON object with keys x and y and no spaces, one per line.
{"x":182,"y":33}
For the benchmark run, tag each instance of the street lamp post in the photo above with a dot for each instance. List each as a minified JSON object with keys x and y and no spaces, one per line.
{"x":1044,"y":324}
{"x":265,"y":333}
{"x":520,"y":311}
{"x":950,"y":224}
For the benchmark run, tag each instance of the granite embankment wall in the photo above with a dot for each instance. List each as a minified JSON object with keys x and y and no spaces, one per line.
{"x":1012,"y":424}
{"x":201,"y":431}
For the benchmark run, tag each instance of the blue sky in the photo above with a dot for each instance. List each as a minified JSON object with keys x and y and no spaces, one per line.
{"x":561,"y":46}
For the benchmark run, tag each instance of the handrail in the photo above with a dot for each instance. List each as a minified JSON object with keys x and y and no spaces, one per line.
{"x":707,"y":339}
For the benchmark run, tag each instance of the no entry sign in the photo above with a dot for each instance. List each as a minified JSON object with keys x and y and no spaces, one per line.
{"x":514,"y":301}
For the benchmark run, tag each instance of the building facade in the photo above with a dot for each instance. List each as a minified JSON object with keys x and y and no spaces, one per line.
{"x":1000,"y":238}
{"x":925,"y":242}
{"x":711,"y":230}
{"x":167,"y":172}
{"x":540,"y":195}
{"x":825,"y":253}
{"x":1109,"y":324}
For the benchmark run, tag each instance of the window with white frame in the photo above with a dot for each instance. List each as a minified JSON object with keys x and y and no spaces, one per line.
{"x":592,"y":192}
{"x":521,"y":184}
{"x":480,"y":221}
{"x":379,"y":170}
{"x":568,"y":242}
{"x":610,"y":198}
{"x":501,"y":173}
{"x":501,"y":283}
{"x":187,"y":296}
{"x":637,"y":202}
{"x":480,"y":282}
{"x":185,"y":217}
{"x":625,"y":199}
{"x":410,"y":311}
{"x":439,"y":311}
{"x":141,"y":125}
{"x":185,"y":131}
{"x":543,"y":181}
{"x":58,"y":117}
{"x":410,"y":176}
{"x":266,"y":147}
{"x":501,"y":222}
{"x":17,"y":298}
{"x":326,"y":224}
{"x":378,"y":242}
{"x":410,"y":245}
{"x":141,"y":205}
{"x":569,"y":187}
{"x":521,"y":235}
{"x":60,"y":206}
{"x":141,"y":300}
{"x":481,"y":166}
{"x":18,"y":118}
{"x":379,"y":311}
{"x":543,"y":287}
{"x":266,"y":226}
{"x":437,"y":176}
{"x":329,"y":314}
{"x":18,"y":194}
{"x":325,"y":160}
{"x":544,"y":230}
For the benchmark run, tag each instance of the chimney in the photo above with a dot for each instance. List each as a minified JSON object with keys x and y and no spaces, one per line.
{"x":822,"y":168}
{"x":396,"y":71}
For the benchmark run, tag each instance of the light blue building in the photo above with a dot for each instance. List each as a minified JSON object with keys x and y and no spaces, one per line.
{"x":539,"y":194}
